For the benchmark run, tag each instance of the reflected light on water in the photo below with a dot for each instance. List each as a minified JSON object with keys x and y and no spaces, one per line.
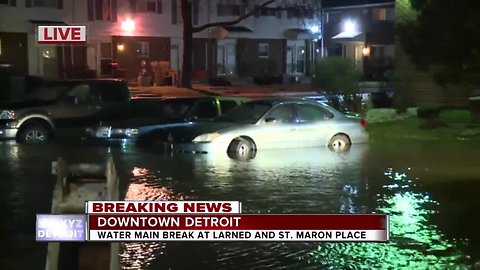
{"x":144,"y":187}
{"x":415,"y":242}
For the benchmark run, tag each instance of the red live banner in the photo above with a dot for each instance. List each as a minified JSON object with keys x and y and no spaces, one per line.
{"x":238,"y":222}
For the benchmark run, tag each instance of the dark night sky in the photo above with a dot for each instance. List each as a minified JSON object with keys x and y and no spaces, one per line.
{"x":339,"y":3}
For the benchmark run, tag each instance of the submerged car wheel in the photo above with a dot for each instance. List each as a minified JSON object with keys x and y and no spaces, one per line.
{"x":34,"y":133}
{"x":241,"y":148}
{"x":339,"y":143}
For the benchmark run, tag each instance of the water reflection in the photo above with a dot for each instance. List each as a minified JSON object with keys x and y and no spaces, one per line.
{"x":284,"y":181}
{"x":415,"y":242}
{"x":144,"y":186}
{"x":287,"y":181}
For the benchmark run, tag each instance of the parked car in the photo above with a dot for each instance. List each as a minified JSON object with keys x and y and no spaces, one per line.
{"x":63,"y":105}
{"x":325,"y":99}
{"x":172,"y":112}
{"x":271,"y":123}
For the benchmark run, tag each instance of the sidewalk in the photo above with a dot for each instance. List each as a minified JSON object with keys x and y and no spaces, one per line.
{"x":163,"y":92}
{"x":235,"y":90}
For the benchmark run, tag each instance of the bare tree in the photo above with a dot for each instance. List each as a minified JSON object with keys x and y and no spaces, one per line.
{"x":189,"y":29}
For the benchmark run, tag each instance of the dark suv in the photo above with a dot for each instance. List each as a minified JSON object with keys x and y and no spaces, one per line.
{"x":63,"y":104}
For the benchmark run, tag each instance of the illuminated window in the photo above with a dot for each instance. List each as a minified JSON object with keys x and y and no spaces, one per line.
{"x":379,"y":14}
{"x":263,"y":50}
{"x":143,"y":49}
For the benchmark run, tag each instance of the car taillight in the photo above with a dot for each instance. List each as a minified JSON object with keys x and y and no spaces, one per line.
{"x":363,"y":123}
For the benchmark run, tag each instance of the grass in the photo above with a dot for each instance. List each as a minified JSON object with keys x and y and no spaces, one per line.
{"x":457,"y":122}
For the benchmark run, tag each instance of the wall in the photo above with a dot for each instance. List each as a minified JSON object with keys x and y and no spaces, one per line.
{"x":16,"y":19}
{"x":159,"y":50}
{"x":250,"y":64}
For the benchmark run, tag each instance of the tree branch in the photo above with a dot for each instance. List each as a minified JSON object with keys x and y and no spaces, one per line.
{"x":233,"y":22}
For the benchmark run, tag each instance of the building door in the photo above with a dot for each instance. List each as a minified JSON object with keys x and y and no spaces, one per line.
{"x":296,"y":57}
{"x":106,"y":58}
{"x":226,"y":57}
{"x":49,"y":61}
{"x":220,"y":59}
{"x":175,"y":57}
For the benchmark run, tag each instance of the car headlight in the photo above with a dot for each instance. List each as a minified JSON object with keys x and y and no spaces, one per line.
{"x":104,"y":132}
{"x":206,"y":137}
{"x":131,"y":131}
{"x":7,"y":114}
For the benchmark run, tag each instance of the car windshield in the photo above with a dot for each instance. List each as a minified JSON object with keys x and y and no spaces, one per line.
{"x":247,"y":113}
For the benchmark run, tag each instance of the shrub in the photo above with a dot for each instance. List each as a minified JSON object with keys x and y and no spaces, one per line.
{"x":428,"y":112}
{"x":380,"y":115}
{"x":387,"y":115}
{"x":336,"y":75}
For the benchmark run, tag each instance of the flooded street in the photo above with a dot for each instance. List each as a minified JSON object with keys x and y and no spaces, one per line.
{"x":430,"y":191}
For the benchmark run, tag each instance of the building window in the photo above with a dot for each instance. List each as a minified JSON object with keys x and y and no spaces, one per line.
{"x":379,"y":14}
{"x":229,"y":10}
{"x":102,"y":10}
{"x":377,"y":52}
{"x":195,"y":12}
{"x":263,"y":50}
{"x":174,"y":12}
{"x":300,"y":59}
{"x":45,"y":3}
{"x":304,"y":13}
{"x":143,"y":49}
{"x":148,"y":6}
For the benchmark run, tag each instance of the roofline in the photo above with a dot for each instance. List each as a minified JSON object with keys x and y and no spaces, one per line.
{"x":391,"y":3}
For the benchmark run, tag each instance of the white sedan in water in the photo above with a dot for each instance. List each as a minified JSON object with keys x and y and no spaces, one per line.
{"x":268,"y":124}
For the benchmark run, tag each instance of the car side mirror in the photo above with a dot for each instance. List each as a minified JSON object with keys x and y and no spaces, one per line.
{"x":269,"y":120}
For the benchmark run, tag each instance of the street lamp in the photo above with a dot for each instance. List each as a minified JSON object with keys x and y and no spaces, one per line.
{"x":128,"y":25}
{"x":349,"y":26}
{"x":314,"y":29}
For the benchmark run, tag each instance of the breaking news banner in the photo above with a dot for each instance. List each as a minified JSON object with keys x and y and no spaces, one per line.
{"x":151,"y":207}
{"x":124,"y":221}
{"x":60,"y":228}
{"x":238,"y":227}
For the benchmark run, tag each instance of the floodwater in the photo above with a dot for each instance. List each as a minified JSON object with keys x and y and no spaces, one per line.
{"x":430,"y":191}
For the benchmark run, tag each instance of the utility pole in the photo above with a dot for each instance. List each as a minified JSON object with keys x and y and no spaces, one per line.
{"x":322,"y":29}
{"x":208,"y":42}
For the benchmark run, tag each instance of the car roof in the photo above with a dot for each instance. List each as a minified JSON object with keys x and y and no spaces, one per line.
{"x":78,"y":81}
{"x":206,"y":98}
{"x":278,"y":100}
